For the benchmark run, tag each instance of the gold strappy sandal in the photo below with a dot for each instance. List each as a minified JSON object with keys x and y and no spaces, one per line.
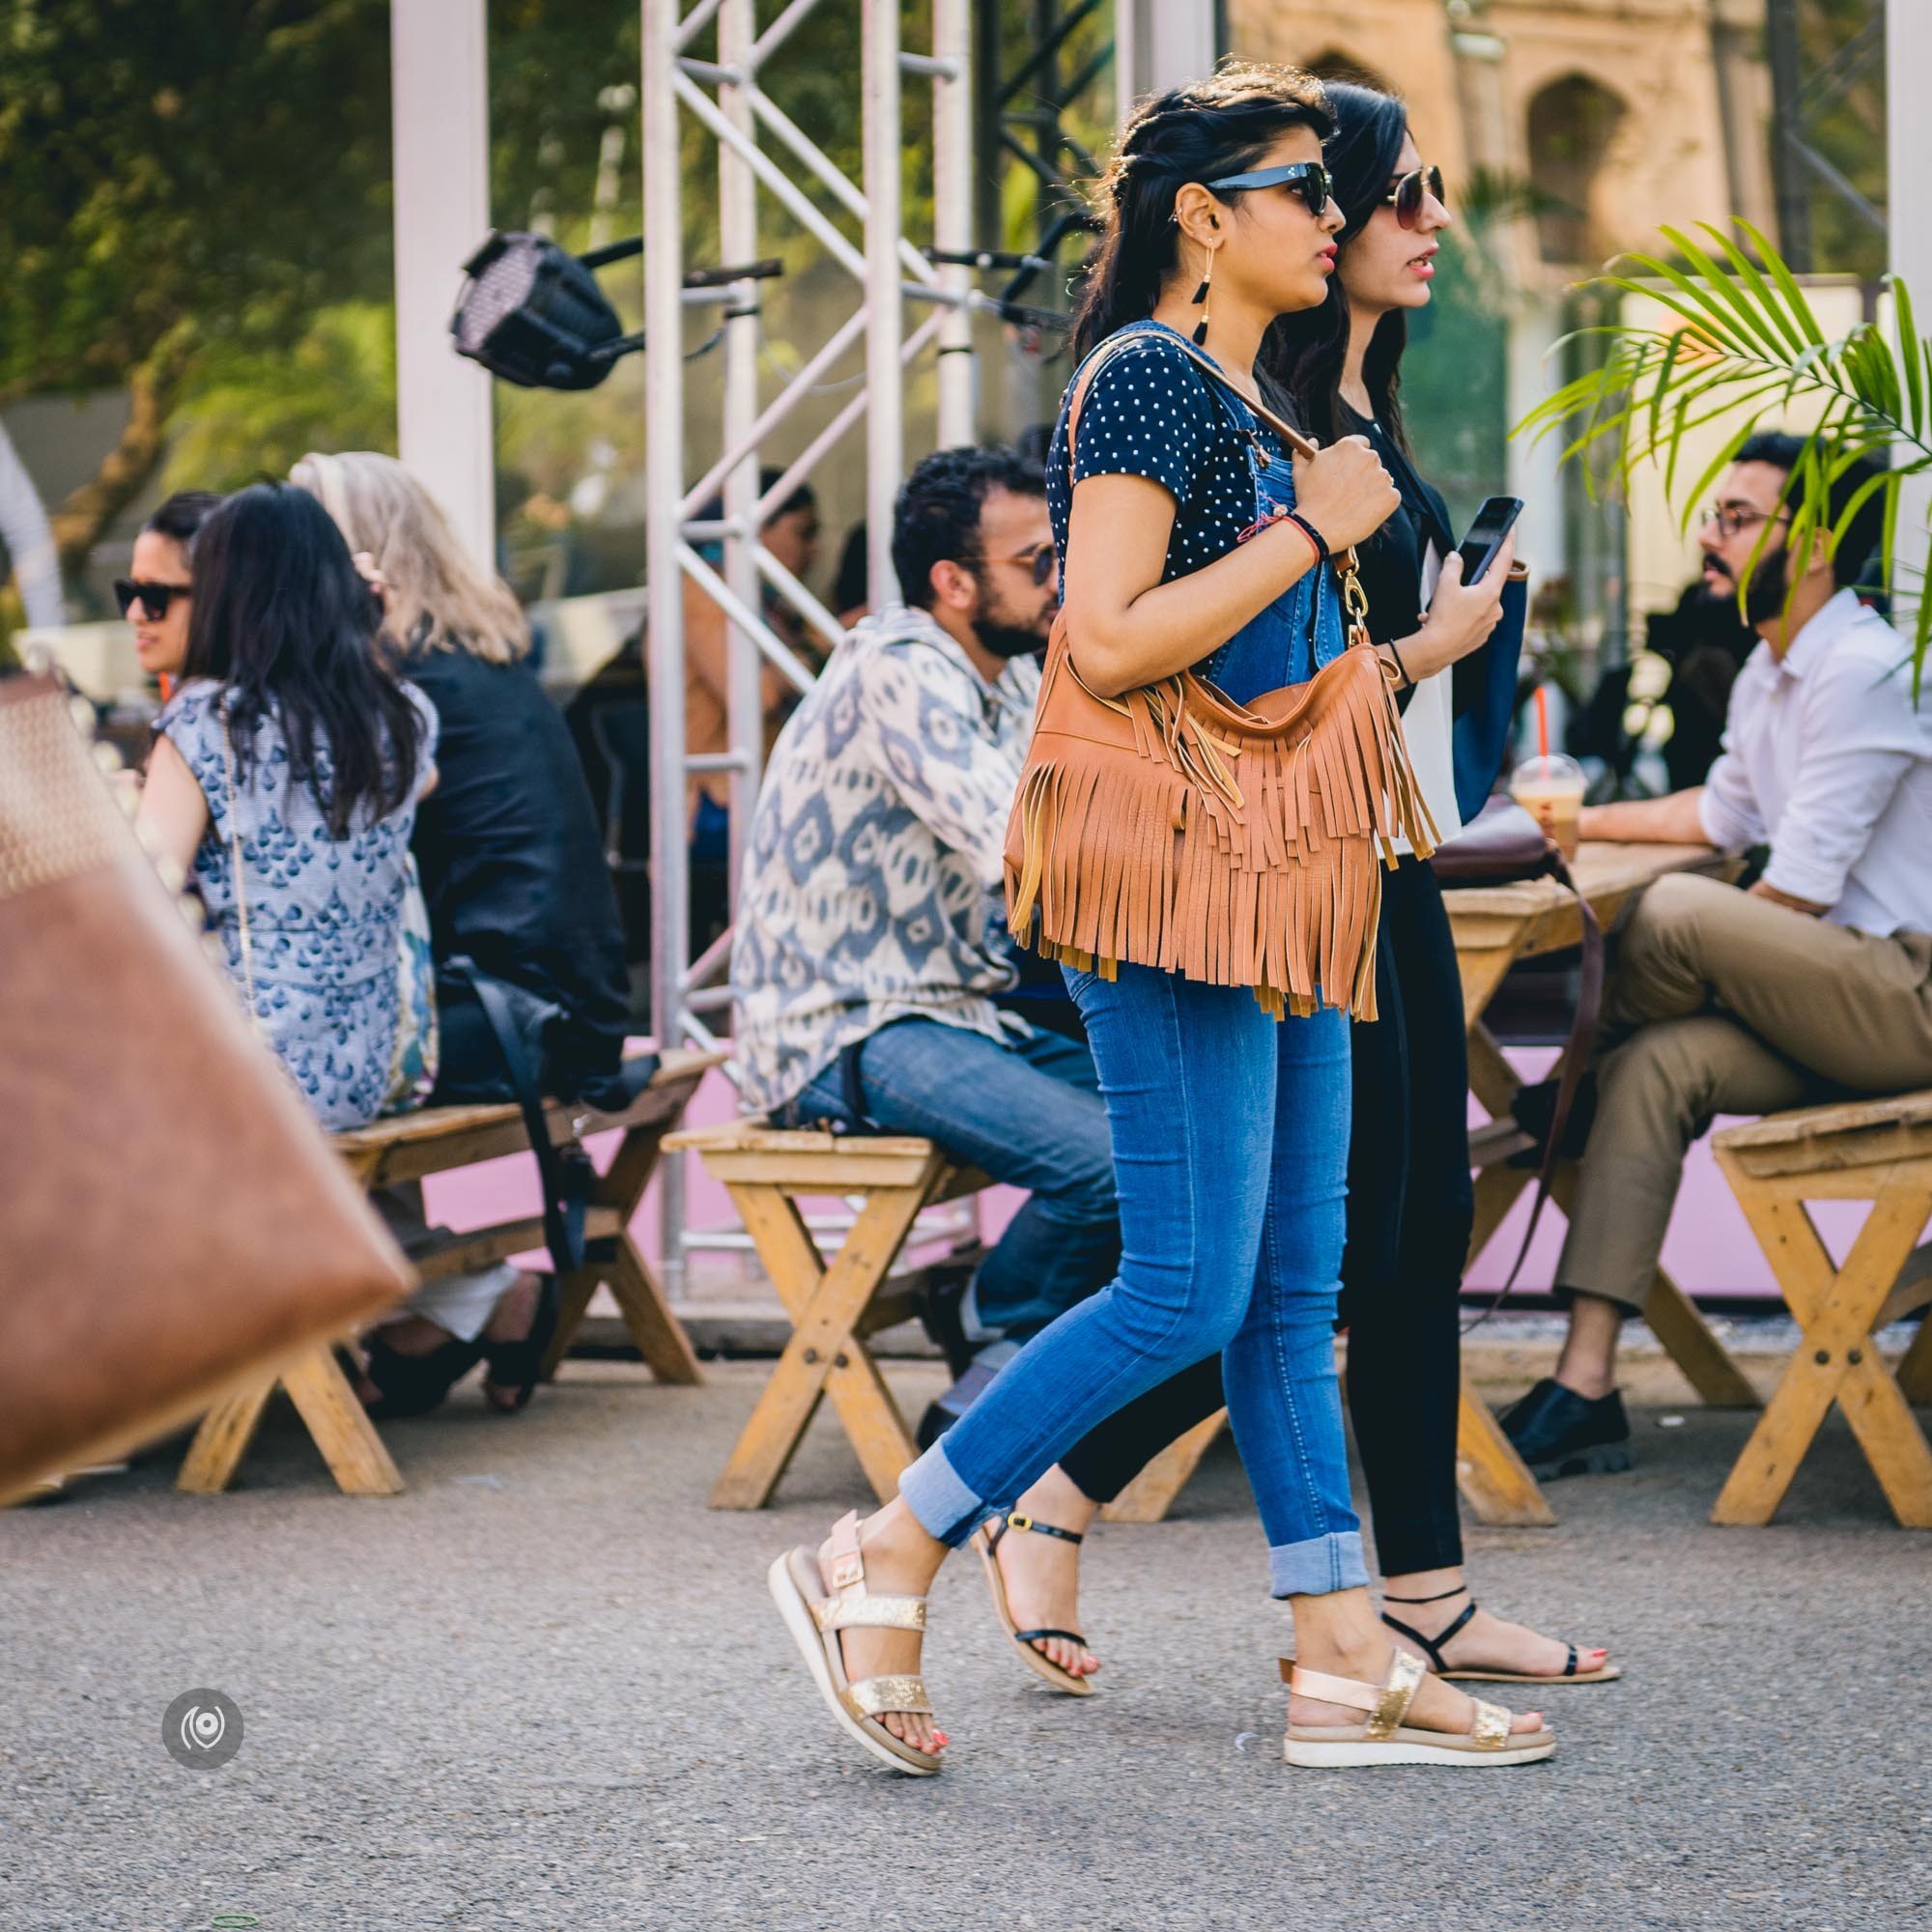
{"x":987,"y":1540}
{"x":814,"y":1621}
{"x":1384,"y":1739}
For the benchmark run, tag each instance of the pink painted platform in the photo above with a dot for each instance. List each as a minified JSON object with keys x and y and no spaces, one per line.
{"x":1710,"y":1250}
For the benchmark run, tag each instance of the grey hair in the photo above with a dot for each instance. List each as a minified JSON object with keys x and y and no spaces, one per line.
{"x":439,"y":595}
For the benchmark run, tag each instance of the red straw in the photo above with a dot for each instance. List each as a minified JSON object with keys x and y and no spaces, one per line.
{"x":1541,"y":722}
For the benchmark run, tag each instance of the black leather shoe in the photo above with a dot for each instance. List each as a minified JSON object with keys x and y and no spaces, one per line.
{"x":941,"y":1315}
{"x":1559,"y":1432}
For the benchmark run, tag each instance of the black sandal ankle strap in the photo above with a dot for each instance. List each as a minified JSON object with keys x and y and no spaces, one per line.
{"x":1040,"y":1528}
{"x":1433,"y":1645}
{"x":1440,"y":1597}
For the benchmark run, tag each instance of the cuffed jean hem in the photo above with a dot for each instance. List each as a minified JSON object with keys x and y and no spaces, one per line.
{"x":1316,"y":1567}
{"x":947,"y":1511}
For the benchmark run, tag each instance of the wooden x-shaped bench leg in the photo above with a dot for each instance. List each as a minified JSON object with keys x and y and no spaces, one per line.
{"x":1838,"y":1361}
{"x":330,"y":1408}
{"x":618,"y":1259}
{"x":825,"y":1355}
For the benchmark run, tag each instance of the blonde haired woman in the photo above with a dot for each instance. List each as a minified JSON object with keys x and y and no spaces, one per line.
{"x":514,"y":875}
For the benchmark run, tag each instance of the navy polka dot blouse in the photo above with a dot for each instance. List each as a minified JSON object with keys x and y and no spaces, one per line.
{"x":1152,"y":411}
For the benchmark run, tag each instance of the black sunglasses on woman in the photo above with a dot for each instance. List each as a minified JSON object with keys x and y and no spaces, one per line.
{"x":1408,"y":195}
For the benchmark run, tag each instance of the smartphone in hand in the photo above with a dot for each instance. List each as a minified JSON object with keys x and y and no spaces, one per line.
{"x":1493,"y":523}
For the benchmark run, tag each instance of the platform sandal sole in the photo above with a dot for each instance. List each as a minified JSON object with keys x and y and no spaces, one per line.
{"x":1041,"y":1666}
{"x":1347,"y":1750}
{"x":791,"y":1578}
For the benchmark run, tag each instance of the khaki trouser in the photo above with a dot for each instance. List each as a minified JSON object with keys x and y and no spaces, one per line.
{"x":1726,"y":1003}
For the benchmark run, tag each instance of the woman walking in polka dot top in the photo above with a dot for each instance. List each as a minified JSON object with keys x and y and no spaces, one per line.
{"x":1190,"y":540}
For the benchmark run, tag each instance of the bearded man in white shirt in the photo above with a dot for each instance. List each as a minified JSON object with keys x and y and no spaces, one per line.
{"x":1815,"y":983}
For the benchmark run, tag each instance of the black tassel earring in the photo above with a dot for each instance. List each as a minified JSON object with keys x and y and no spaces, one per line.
{"x":1201,"y":302}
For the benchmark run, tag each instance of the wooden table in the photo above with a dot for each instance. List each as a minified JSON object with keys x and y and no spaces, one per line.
{"x":1495,"y":927}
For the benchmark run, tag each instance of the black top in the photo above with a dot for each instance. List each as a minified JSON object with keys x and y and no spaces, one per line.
{"x":1391,"y":561}
{"x":511,"y":866}
{"x":1152,"y":411}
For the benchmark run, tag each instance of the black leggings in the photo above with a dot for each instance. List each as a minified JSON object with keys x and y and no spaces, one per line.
{"x":1409,"y":1211}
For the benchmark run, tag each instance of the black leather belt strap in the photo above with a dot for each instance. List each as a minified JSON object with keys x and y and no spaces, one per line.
{"x":566,"y":1172}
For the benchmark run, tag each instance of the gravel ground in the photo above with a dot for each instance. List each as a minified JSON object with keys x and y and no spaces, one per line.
{"x":546,"y":1689}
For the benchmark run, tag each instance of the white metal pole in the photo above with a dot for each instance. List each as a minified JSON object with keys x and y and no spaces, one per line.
{"x":439,"y":100}
{"x":953,"y":210}
{"x":885,"y":397}
{"x":1908,"y":59}
{"x":664,"y":473}
{"x":738,"y":243}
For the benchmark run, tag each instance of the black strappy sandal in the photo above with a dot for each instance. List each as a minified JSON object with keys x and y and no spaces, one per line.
{"x":416,"y":1384}
{"x":987,"y":1540}
{"x":519,"y":1365}
{"x":1604,"y":1673}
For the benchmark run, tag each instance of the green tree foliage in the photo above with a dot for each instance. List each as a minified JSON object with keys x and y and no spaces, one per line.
{"x":189,"y":187}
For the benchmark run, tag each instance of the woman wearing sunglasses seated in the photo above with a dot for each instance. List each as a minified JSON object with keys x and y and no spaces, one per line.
{"x":154,"y":597}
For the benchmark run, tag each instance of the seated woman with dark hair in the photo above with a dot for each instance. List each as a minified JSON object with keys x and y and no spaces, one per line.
{"x":154,"y":596}
{"x":286,"y":778}
{"x":515,"y":883}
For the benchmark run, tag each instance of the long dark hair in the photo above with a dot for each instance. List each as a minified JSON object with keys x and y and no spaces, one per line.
{"x":282,"y":618}
{"x":1220,"y":126}
{"x":1303,"y":356}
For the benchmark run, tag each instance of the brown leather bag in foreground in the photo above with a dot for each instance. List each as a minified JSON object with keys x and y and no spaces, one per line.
{"x":1239,"y":845}
{"x":172,"y":1219}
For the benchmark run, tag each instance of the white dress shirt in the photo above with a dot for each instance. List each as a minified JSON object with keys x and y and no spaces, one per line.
{"x":1827,"y":761}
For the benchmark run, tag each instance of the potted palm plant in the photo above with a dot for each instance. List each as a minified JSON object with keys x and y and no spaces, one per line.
{"x":1746,"y":347}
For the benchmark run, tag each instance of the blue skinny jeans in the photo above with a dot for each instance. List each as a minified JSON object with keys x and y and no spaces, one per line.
{"x":1229,"y":1137}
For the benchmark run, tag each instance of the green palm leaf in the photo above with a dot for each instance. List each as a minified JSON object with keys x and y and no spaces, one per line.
{"x":1742,"y":344}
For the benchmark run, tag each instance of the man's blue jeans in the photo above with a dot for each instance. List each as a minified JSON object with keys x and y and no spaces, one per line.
{"x":1230,"y":1151}
{"x":1028,"y":1113}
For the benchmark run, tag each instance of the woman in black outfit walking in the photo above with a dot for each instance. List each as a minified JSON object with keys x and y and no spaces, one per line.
{"x":1410,"y":1203}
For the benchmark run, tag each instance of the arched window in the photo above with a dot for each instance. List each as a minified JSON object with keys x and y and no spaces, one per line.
{"x":1572,"y":124}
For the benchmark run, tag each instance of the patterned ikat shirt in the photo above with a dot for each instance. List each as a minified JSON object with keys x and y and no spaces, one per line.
{"x":872,"y":886}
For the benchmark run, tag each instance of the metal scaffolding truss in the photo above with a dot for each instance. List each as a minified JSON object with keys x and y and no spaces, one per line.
{"x":762,"y":151}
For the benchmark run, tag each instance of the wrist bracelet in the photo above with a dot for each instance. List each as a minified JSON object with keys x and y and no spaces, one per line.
{"x":1309,"y":530}
{"x":1409,"y":683}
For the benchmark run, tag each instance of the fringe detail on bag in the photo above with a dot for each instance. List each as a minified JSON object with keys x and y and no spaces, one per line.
{"x":1239,"y":860}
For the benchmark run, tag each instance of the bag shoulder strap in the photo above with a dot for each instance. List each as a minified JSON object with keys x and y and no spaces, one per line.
{"x":1302,"y":444}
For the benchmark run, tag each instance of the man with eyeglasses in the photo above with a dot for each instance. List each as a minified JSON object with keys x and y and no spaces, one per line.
{"x":1815,"y":983}
{"x":869,"y":960}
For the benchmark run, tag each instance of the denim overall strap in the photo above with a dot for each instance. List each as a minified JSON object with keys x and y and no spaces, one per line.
{"x":1293,"y":637}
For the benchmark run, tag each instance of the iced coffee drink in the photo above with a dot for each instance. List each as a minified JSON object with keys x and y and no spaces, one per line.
{"x":1550,"y":789}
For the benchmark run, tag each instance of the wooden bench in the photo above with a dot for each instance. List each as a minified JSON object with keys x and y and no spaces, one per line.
{"x":434,"y":1139}
{"x":1876,"y":1151}
{"x":834,"y":1306}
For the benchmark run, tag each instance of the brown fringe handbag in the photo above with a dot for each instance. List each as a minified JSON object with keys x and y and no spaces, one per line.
{"x":1232,"y":844}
